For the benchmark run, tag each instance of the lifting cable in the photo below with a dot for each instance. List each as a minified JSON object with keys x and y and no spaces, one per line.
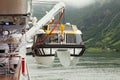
{"x":54,"y":27}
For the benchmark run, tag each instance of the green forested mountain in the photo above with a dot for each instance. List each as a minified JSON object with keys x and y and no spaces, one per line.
{"x":99,"y":22}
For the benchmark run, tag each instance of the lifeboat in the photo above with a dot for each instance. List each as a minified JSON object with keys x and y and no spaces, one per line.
{"x":65,"y":42}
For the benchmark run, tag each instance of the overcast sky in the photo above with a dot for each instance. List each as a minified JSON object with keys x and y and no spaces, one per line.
{"x":78,"y":3}
{"x":75,"y":3}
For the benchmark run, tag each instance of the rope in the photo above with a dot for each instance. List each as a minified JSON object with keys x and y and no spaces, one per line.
{"x":54,"y":27}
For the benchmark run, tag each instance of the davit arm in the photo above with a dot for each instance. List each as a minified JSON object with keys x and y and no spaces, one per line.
{"x":31,"y":32}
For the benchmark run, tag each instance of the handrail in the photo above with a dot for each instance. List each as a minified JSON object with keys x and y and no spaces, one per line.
{"x":17,"y":70}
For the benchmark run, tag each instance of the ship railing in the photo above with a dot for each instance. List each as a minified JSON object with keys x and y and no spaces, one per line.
{"x":6,"y":67}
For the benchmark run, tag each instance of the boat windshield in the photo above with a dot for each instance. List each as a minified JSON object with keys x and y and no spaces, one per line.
{"x":55,"y":38}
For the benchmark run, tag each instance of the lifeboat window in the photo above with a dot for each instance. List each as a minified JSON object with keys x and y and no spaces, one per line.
{"x":53,"y":38}
{"x":70,"y":38}
{"x":38,"y":37}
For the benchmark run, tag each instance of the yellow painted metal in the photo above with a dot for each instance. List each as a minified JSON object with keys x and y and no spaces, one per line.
{"x":62,"y":27}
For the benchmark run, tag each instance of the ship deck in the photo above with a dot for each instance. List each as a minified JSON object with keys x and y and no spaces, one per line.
{"x":6,"y":77}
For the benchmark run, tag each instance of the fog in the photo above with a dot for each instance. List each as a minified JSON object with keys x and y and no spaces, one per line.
{"x":78,"y":3}
{"x":74,"y":3}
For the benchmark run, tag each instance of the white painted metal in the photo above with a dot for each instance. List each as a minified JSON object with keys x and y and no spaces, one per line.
{"x":56,"y":9}
{"x":64,"y":57}
{"x":30,"y":33}
{"x":47,"y":61}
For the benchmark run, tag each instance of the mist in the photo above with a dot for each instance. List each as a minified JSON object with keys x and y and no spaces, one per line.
{"x":73,"y":3}
{"x":78,"y":3}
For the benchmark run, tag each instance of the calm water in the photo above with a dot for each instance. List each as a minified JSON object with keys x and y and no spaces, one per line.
{"x":91,"y":66}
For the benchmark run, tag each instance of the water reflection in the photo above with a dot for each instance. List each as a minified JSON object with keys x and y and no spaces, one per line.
{"x":91,"y":66}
